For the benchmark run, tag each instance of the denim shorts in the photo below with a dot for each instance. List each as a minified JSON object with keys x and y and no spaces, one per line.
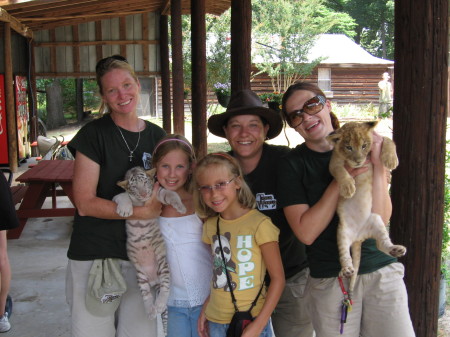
{"x":220,"y":330}
{"x":182,"y":322}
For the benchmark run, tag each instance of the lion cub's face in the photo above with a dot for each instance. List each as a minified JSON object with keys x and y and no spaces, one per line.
{"x":353,"y":141}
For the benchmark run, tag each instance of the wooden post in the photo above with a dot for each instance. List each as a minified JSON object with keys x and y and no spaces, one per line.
{"x":420,"y":111}
{"x":32,"y":97}
{"x":241,"y":29}
{"x":177,"y":68}
{"x":165,"y":73}
{"x":199,"y":96}
{"x":11,"y":118}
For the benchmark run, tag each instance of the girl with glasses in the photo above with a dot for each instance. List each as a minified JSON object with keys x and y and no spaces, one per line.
{"x":244,"y":243}
{"x":309,"y":195}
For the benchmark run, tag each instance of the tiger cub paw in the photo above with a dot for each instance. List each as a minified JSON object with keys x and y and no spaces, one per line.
{"x":397,"y":250}
{"x":347,"y":271}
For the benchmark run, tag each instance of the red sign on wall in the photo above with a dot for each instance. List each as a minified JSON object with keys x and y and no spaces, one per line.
{"x":3,"y":131}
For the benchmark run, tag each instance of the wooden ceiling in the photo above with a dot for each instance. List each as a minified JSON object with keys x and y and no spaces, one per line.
{"x":38,"y":15}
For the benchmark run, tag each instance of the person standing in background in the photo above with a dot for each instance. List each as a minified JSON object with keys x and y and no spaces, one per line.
{"x":386,"y":95}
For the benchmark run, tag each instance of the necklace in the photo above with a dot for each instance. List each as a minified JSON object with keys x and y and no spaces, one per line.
{"x":137,"y":144}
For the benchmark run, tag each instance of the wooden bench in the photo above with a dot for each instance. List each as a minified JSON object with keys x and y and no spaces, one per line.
{"x":18,"y":192}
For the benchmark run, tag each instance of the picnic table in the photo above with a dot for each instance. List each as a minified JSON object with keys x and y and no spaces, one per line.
{"x":49,"y":178}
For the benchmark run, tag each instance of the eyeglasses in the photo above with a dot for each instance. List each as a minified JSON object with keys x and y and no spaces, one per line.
{"x":219,"y":187}
{"x":311,"y":107}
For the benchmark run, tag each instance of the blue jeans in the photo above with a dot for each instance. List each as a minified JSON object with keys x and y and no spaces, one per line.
{"x":182,"y":322}
{"x":220,"y":330}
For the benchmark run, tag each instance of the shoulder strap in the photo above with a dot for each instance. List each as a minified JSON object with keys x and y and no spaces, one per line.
{"x":233,"y":299}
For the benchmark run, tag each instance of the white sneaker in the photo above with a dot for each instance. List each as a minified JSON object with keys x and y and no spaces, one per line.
{"x":4,"y":323}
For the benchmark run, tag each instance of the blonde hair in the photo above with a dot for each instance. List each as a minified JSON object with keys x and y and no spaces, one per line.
{"x":104,"y":66}
{"x":175,"y":142}
{"x":245,"y":195}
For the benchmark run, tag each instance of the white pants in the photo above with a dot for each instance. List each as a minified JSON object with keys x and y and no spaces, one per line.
{"x":130,"y":319}
{"x":380,"y":305}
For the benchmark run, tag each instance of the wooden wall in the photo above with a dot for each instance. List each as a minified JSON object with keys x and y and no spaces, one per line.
{"x":350,"y":85}
{"x":356,"y":85}
{"x":73,"y":51}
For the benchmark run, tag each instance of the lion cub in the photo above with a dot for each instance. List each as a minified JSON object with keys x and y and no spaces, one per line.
{"x":352,"y":144}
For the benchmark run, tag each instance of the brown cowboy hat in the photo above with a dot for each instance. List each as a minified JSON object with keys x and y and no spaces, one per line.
{"x":246,"y":102}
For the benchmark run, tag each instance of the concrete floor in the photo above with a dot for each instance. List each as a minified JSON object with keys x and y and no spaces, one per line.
{"x":38,"y":263}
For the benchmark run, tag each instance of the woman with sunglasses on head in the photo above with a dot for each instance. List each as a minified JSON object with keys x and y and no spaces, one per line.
{"x":309,"y":195}
{"x":104,"y":150}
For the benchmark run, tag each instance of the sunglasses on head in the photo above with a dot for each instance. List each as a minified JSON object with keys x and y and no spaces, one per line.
{"x":311,"y":107}
{"x":105,"y":62}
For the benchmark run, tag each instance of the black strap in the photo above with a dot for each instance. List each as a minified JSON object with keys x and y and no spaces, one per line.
{"x":233,"y":299}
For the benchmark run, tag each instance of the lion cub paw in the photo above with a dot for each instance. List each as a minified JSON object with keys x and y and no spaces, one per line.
{"x":347,"y":188}
{"x":397,"y":250}
{"x":389,"y":160}
{"x":347,"y":271}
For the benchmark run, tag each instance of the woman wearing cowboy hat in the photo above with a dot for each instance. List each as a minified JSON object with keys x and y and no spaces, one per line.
{"x":246,"y":124}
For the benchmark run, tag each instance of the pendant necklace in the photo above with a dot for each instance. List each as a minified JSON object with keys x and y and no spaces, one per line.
{"x":137,"y":144}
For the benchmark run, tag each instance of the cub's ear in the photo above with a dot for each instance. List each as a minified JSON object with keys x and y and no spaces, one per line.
{"x":333,"y":138}
{"x":371,"y":124}
{"x":151,"y":173}
{"x":123,"y":184}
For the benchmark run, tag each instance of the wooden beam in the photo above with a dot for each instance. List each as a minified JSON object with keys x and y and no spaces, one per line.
{"x":199,"y":89}
{"x":123,"y":35}
{"x":76,"y":49}
{"x":165,"y":73}
{"x":53,"y":61}
{"x":90,"y":74}
{"x":11,"y":118}
{"x":241,"y":29}
{"x":420,"y":117}
{"x":98,"y":37}
{"x":145,"y":51}
{"x":95,"y":43}
{"x":177,"y":68}
{"x":15,"y":24}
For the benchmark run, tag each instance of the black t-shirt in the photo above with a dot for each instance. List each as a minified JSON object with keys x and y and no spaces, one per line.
{"x":263,"y":183}
{"x":303,"y":178}
{"x":100,"y":140}
{"x":8,"y":213}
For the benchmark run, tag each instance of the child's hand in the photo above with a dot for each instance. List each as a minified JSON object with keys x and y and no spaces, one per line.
{"x":252,"y":330}
{"x":202,"y":324}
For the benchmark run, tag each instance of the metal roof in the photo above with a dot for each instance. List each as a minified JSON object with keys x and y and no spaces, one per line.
{"x":47,"y":14}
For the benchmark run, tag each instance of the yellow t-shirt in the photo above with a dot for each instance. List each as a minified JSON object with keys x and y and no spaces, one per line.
{"x":240,"y":239}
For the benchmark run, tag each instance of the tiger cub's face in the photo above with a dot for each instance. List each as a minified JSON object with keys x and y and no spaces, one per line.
{"x":138,"y":183}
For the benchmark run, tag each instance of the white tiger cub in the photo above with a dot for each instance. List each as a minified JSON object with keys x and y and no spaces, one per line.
{"x":352,"y":144}
{"x":145,"y":245}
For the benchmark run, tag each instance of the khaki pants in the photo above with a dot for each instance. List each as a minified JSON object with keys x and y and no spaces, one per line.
{"x":290,"y":318}
{"x":130,"y":319}
{"x":380,"y":305}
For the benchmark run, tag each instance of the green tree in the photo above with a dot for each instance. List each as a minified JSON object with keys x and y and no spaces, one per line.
{"x":285,"y":31}
{"x":374,"y":19}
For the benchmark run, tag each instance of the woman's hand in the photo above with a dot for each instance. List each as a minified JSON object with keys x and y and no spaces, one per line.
{"x":375,"y":151}
{"x":152,"y":207}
